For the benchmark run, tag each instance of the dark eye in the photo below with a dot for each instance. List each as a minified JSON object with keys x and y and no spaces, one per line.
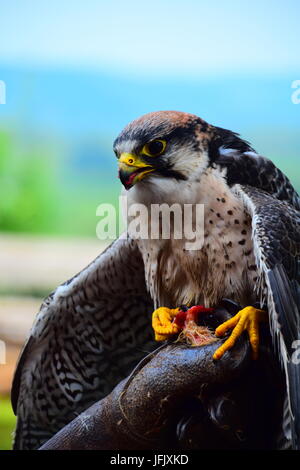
{"x":154,"y":148}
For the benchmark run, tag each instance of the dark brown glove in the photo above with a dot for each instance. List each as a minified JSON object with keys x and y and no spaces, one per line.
{"x":178,"y":397}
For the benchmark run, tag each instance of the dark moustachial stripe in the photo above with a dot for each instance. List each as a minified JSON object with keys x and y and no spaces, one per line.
{"x":169,"y":173}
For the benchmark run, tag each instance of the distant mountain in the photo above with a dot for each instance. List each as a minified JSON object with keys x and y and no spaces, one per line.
{"x":74,"y":102}
{"x":81,"y":111}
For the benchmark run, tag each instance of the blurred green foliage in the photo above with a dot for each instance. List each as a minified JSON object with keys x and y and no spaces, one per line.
{"x":7,"y":423}
{"x":27,"y":189}
{"x":38,"y":194}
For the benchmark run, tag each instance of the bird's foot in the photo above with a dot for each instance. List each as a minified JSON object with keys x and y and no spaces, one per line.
{"x":162,"y":323}
{"x":248,"y":319}
{"x":167,"y":322}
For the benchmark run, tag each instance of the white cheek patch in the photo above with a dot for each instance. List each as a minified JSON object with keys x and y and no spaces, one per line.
{"x":189,"y":163}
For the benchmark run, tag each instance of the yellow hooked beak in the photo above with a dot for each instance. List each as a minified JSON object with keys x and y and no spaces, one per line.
{"x":132,"y":169}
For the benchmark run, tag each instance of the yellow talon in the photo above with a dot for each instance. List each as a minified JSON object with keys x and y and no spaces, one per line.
{"x":162,"y":323}
{"x":246,"y":319}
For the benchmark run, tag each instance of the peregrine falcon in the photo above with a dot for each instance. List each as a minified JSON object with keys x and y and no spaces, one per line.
{"x":91,"y":331}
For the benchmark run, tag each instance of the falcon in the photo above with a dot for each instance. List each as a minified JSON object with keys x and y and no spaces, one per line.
{"x":94,"y":328}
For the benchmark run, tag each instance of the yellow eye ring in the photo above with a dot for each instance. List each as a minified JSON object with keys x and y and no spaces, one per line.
{"x":154,"y":148}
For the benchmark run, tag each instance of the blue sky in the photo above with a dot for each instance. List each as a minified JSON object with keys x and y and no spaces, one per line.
{"x":190,"y":38}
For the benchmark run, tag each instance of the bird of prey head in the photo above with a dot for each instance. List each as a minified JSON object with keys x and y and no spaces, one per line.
{"x":170,"y":144}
